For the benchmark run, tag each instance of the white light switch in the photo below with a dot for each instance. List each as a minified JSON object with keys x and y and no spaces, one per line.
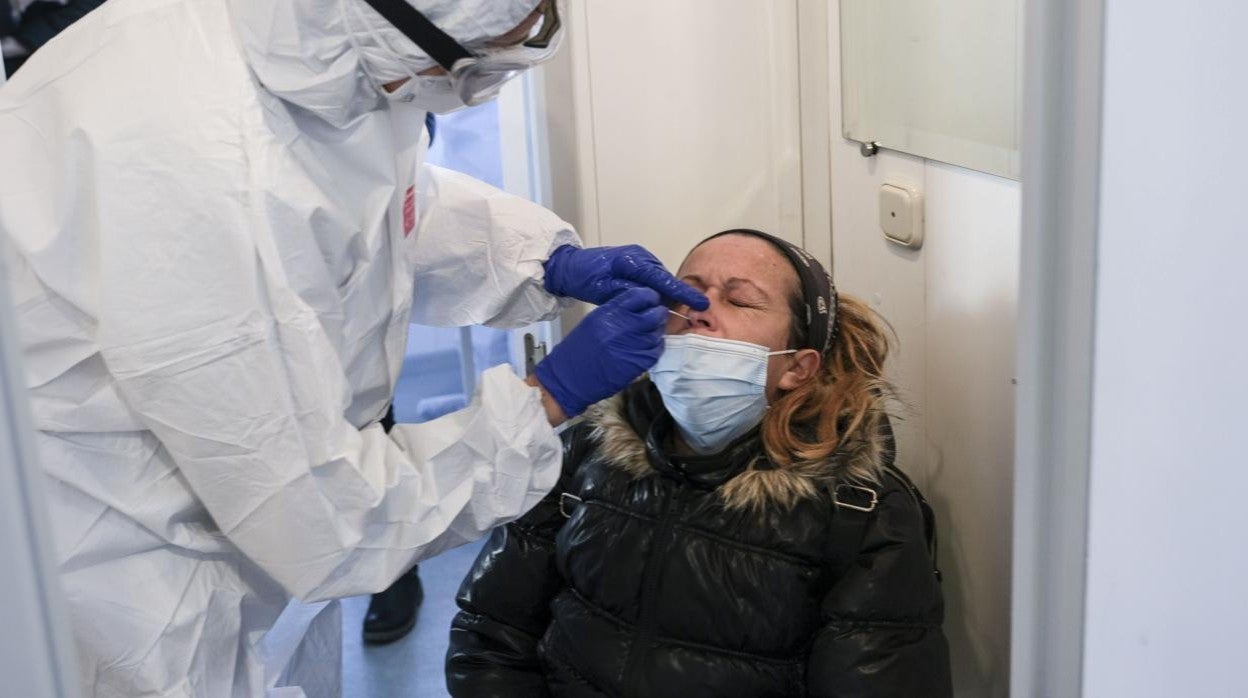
{"x":901,"y":215}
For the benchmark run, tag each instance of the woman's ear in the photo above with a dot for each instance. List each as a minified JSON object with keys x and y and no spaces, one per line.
{"x":806,"y":363}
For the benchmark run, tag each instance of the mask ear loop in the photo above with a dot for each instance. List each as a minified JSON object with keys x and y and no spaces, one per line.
{"x":780,"y":353}
{"x":379,"y":40}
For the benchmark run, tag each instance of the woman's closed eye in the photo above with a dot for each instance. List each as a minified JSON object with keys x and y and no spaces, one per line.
{"x":746,"y":302}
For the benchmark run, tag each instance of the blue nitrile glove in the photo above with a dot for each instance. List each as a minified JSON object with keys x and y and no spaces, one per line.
{"x":618,"y":341}
{"x":596,"y":274}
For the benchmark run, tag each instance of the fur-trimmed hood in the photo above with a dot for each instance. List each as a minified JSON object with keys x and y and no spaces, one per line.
{"x":631,"y":432}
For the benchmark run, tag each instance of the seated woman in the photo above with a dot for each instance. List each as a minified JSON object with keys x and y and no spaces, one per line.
{"x":733,"y":526}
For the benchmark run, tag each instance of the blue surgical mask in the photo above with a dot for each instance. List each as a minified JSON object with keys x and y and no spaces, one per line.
{"x":715,"y":389}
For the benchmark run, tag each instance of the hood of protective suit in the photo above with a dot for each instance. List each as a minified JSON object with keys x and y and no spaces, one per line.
{"x":331,"y":56}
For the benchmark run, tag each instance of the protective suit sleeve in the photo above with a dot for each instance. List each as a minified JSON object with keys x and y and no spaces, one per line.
{"x":479,"y":254}
{"x":235,"y":376}
{"x":328,"y":510}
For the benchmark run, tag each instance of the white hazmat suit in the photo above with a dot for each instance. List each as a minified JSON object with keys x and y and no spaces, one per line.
{"x":216,"y":239}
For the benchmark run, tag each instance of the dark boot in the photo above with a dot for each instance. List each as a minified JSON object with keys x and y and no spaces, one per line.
{"x":392,"y":613}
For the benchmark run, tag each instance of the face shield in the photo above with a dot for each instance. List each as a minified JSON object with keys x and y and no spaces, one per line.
{"x":476,"y":75}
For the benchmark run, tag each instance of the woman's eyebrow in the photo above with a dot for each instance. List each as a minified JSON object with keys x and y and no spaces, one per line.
{"x":731,"y":284}
{"x":737,"y":281}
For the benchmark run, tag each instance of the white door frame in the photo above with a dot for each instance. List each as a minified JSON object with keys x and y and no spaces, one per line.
{"x":524,"y":144}
{"x":814,"y":109}
{"x":1063,"y":47}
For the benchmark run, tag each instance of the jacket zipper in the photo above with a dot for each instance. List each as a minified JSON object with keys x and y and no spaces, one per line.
{"x":650,"y":581}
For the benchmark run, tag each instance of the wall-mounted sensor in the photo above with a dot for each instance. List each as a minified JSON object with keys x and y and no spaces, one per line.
{"x":901,"y":215}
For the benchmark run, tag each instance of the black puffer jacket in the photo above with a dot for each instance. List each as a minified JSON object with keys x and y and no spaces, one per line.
{"x":648,"y":575}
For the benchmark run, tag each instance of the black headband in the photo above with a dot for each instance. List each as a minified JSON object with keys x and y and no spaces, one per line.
{"x":818,"y":293}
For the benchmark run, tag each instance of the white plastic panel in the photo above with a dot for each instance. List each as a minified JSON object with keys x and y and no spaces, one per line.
{"x":693,"y":108}
{"x":1167,"y":562}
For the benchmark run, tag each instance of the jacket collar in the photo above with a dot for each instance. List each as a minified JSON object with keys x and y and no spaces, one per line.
{"x":634,"y":431}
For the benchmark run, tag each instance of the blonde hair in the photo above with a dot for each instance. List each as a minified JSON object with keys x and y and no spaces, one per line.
{"x":844,"y":402}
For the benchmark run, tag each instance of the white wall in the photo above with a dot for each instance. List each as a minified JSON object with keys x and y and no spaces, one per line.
{"x":1167,"y":558}
{"x":953,"y":304}
{"x":665,"y":130}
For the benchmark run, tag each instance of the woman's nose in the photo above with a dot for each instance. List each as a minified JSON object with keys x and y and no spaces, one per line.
{"x":700,"y":319}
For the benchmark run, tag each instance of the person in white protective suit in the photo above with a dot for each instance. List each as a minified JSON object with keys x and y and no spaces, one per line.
{"x":217,"y":226}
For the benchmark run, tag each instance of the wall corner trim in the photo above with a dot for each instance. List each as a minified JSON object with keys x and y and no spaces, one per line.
{"x":1061,"y":155}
